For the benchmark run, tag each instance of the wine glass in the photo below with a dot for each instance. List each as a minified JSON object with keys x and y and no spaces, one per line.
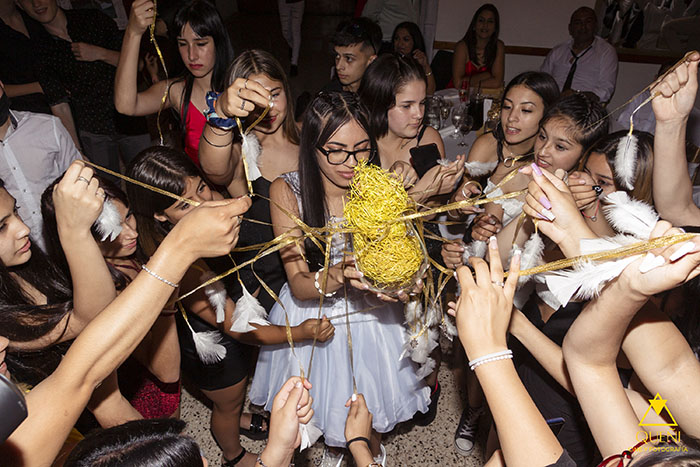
{"x":458,"y":114}
{"x":465,"y":127}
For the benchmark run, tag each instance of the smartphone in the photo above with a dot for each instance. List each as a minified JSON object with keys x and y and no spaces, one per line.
{"x":423,"y":158}
{"x":556,"y":424}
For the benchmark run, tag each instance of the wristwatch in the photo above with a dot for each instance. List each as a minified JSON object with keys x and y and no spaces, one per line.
{"x":215,"y":119}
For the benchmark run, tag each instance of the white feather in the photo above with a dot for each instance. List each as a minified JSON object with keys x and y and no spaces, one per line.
{"x":448,"y":328}
{"x":425,"y":369}
{"x":585,"y":280}
{"x":433,"y":315}
{"x":433,"y":339}
{"x":310,"y":433}
{"x":216,"y":294}
{"x":251,"y":151}
{"x":531,"y":255}
{"x":413,"y":311}
{"x":479,"y":169}
{"x":109,"y":222}
{"x":208,"y":346}
{"x":629,"y":215}
{"x":626,"y":160}
{"x":444,"y":162}
{"x":248,"y":311}
{"x":420,"y":351}
{"x":474,"y":248}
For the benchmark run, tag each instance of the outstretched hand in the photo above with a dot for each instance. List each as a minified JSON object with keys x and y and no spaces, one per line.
{"x":78,"y":199}
{"x":665,"y":268}
{"x":678,"y":90}
{"x":484,"y":307}
{"x":290,"y":407}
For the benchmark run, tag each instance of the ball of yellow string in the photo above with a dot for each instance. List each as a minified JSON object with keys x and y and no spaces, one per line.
{"x":389,"y":253}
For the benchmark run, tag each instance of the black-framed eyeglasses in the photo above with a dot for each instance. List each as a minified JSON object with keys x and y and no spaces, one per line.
{"x":340,"y":156}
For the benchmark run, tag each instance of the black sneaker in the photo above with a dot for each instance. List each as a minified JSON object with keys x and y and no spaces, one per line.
{"x":466,"y":430}
{"x":425,"y":419}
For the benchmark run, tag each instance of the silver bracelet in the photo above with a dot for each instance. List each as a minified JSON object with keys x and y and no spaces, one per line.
{"x":492,"y":357}
{"x":318,"y":286}
{"x":162,"y":279}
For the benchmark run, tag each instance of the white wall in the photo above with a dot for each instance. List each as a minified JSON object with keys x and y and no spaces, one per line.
{"x":540,"y":23}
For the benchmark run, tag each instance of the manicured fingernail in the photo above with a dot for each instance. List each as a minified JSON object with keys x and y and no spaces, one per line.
{"x":379,"y":295}
{"x":365,"y":286}
{"x":493,"y":244}
{"x":455,"y":274}
{"x":536,"y":169}
{"x":360,"y":274}
{"x":517,"y":253}
{"x":685,"y":248}
{"x":298,"y":385}
{"x":354,"y":397}
{"x":651,"y":261}
{"x":540,"y":216}
{"x":549,"y":215}
{"x":544,"y":201}
{"x":479,"y":209}
{"x":521,"y":169}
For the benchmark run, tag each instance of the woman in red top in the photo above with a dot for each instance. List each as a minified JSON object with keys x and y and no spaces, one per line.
{"x":205,"y":50}
{"x":479,"y":58}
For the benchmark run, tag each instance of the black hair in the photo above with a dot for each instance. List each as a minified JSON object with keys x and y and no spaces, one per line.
{"x":53,"y":244}
{"x":22,"y":320}
{"x":358,"y":31}
{"x":165,"y":168}
{"x":414,"y":31}
{"x":205,"y":20}
{"x":138,"y":443}
{"x":492,"y":45}
{"x":326,"y":113}
{"x":644,"y":167}
{"x":538,"y":82}
{"x":586,"y":114}
{"x":383,"y":79}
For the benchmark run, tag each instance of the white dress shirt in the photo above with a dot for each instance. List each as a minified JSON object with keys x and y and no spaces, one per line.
{"x":389,"y":13}
{"x":596,"y":71}
{"x":35,"y":151}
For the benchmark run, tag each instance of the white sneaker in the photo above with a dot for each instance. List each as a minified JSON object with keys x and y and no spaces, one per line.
{"x":381,"y":458}
{"x":331,"y":460}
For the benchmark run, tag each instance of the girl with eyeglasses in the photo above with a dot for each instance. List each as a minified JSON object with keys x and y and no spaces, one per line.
{"x":334,"y":139}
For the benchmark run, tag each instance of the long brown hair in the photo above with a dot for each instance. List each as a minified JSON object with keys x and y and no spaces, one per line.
{"x":645,"y":162}
{"x":258,"y":62}
{"x":164,"y":168}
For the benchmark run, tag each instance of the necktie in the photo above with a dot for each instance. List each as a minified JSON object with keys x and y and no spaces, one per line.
{"x":572,"y":70}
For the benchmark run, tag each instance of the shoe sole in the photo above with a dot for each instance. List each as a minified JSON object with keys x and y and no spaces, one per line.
{"x":463,"y":452}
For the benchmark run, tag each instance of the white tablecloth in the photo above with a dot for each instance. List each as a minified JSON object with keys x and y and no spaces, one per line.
{"x":452,"y":148}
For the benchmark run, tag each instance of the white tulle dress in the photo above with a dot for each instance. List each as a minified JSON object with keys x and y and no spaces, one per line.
{"x":389,"y":384}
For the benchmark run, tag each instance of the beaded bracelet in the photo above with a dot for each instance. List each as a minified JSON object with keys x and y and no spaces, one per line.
{"x":492,"y":357}
{"x":162,"y":279}
{"x":318,"y":286}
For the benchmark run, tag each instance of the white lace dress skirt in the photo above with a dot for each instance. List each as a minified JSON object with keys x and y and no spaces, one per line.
{"x":390,"y":386}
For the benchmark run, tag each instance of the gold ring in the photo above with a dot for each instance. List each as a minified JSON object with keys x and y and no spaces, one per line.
{"x":239,"y":91}
{"x":83,"y":179}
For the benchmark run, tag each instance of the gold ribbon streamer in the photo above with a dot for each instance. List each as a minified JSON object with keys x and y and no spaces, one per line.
{"x":243,"y":134}
{"x":163,"y":99}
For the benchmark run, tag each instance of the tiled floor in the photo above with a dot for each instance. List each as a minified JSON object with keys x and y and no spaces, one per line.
{"x":407,"y":445}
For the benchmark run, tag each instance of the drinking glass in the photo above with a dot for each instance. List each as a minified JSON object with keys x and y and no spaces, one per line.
{"x":466,"y":125}
{"x":458,"y":114}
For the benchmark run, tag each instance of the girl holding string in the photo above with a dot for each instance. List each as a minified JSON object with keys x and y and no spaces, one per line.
{"x":102,"y":345}
{"x":220,"y":154}
{"x":150,"y":377}
{"x":394,"y":89}
{"x":335,"y":138}
{"x":223,"y":382}
{"x":206,"y":51}
{"x":525,"y":100}
{"x":42,"y":306}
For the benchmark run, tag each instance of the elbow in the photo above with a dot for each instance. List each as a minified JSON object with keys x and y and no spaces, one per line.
{"x":122,"y":107}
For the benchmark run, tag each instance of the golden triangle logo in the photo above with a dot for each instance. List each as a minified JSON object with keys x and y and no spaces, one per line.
{"x":659,"y":405}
